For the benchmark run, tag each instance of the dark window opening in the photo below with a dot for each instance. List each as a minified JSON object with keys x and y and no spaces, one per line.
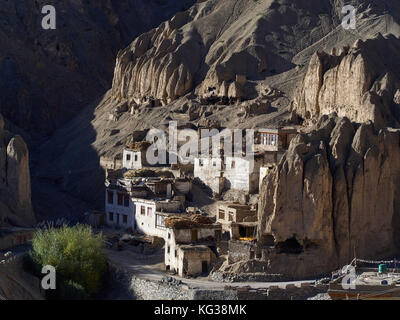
{"x":128,"y":157}
{"x":125,"y":219}
{"x":120,"y":199}
{"x":204,"y":266}
{"x":247,"y":232}
{"x":252,"y":254}
{"x":194,"y":235}
{"x":110,"y":196}
{"x":126,"y":201}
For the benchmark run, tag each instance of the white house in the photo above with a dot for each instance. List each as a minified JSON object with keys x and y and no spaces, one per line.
{"x":187,"y":250}
{"x":119,"y":208}
{"x":210,"y":172}
{"x":237,"y":173}
{"x":134,"y":156}
{"x":150,"y":215}
{"x":243,"y":174}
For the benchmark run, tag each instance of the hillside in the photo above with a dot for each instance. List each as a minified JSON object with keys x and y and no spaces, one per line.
{"x":49,"y":76}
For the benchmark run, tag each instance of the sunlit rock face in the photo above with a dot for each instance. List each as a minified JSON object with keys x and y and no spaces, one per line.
{"x":334,"y":194}
{"x":218,"y":48}
{"x":359,"y":82}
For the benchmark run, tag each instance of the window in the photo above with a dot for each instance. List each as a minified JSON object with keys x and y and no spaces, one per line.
{"x":194,"y":235}
{"x":126,"y":200}
{"x":160,"y":221}
{"x":149,"y":212}
{"x":168,"y":249}
{"x":143,"y":210}
{"x":128,"y":157}
{"x":221,"y":214}
{"x":176,"y":253}
{"x":233,"y":164}
{"x":111,"y":216}
{"x":136,"y":158}
{"x":169,"y":235}
{"x":120,"y":199}
{"x":214,"y":163}
{"x":125,"y":219}
{"x":200,"y":163}
{"x":110,"y":196}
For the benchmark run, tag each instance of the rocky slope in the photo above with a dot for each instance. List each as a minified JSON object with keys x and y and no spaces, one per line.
{"x":50,"y":75}
{"x":15,"y":181}
{"x":228,"y":34}
{"x":216,"y":46}
{"x":335,"y":191}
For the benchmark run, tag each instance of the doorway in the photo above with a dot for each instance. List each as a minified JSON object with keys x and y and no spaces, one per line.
{"x":204,"y":267}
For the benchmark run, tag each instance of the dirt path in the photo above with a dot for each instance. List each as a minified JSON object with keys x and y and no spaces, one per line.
{"x":151,"y":268}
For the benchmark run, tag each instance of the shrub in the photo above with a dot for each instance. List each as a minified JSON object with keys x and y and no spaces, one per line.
{"x":77,"y":255}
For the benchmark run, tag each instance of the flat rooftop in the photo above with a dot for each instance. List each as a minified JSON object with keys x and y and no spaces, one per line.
{"x":370,"y":278}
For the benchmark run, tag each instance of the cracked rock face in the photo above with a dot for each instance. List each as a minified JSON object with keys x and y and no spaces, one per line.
{"x":216,"y":48}
{"x":335,"y":194}
{"x":360,"y":83}
{"x":15,"y":182}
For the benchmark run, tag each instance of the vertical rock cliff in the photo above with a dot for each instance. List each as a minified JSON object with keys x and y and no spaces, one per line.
{"x":15,"y":182}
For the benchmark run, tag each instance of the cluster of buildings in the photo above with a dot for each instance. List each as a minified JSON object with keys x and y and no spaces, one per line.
{"x":242,"y":173}
{"x":152,"y":200}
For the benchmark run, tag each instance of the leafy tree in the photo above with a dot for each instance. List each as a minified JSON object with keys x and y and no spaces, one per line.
{"x":77,"y":255}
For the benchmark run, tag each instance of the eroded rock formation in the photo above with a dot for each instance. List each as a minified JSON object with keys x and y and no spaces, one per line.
{"x":360,"y":83}
{"x":216,"y":48}
{"x":334,"y":194}
{"x":15,"y":182}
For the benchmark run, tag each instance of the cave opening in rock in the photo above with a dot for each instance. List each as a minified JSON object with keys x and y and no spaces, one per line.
{"x":291,"y":246}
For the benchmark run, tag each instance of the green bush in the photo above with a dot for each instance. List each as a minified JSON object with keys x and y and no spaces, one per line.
{"x":77,"y":255}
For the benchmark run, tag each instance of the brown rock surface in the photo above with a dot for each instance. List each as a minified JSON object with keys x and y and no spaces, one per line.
{"x":334,"y":194}
{"x":216,"y":47}
{"x":359,"y":83}
{"x":15,"y":180}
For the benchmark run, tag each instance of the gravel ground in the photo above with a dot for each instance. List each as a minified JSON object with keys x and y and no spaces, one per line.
{"x":320,"y":296}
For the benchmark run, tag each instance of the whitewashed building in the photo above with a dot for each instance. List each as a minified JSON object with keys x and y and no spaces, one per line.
{"x":134,"y":156}
{"x":237,"y":173}
{"x":150,"y":215}
{"x":120,"y":209}
{"x":188,"y":251}
{"x":210,"y":171}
